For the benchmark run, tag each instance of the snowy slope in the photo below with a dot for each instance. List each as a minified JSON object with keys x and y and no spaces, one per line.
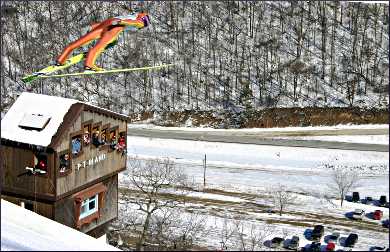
{"x":22,"y":229}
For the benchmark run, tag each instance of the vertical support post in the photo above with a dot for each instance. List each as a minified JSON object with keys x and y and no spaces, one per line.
{"x":204,"y":171}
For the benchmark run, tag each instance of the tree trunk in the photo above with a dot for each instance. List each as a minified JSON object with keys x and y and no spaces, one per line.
{"x":144,"y":232}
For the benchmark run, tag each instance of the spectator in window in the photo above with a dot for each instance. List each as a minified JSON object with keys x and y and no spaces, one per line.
{"x":113,"y":142}
{"x":121,"y":144}
{"x":64,"y":163}
{"x":76,"y":145}
{"x":95,"y":139}
{"x":86,"y":138}
{"x":103,"y":138}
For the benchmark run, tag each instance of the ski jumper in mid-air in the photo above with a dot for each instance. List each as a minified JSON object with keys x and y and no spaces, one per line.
{"x":107,"y":32}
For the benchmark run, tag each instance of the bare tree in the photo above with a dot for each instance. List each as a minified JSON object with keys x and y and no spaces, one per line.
{"x":174,"y":230}
{"x":151,"y":177}
{"x":226,"y":234}
{"x":252,"y":239}
{"x":281,"y":197}
{"x":344,"y":180}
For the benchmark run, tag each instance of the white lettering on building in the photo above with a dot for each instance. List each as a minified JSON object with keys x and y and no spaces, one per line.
{"x":91,"y":161}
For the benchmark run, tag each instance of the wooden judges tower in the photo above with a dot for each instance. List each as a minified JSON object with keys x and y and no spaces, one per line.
{"x":61,"y":157}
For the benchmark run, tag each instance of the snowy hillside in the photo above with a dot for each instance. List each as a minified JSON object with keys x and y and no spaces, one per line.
{"x":22,"y":229}
{"x":250,"y":55}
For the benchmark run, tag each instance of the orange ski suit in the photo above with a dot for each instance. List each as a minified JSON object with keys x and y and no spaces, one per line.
{"x":107,"y":32}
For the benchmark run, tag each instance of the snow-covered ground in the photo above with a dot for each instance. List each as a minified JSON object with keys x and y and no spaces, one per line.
{"x":309,"y":128}
{"x":253,"y":169}
{"x":22,"y":229}
{"x":368,"y":139}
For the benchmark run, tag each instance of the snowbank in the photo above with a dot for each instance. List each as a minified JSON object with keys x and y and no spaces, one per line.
{"x":22,"y":229}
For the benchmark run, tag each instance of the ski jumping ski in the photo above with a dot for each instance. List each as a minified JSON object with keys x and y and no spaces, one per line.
{"x":85,"y":73}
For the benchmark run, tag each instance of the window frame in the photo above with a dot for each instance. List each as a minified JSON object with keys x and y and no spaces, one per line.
{"x":97,"y":125}
{"x":98,"y":189}
{"x":89,"y":125}
{"x":86,"y":202}
{"x":114,"y":129}
{"x":71,"y":136}
{"x":105,"y":128}
{"x":70,"y":169}
{"x":34,"y":156}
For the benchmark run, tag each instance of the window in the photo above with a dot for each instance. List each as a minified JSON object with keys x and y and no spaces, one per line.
{"x":89,"y":206}
{"x":76,"y":145}
{"x":113,"y":138}
{"x":64,"y":163}
{"x":104,"y":136}
{"x":96,"y":135}
{"x":40,"y":163}
{"x":121,"y":145}
{"x":86,"y":131}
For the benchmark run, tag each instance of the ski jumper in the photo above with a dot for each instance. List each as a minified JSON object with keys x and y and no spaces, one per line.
{"x":107,"y":32}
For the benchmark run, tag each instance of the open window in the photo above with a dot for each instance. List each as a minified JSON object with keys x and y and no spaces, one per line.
{"x":113,"y":138}
{"x":64,"y":163}
{"x":40,"y":164}
{"x":121,"y":145}
{"x":96,"y":141}
{"x":86,"y":128}
{"x":104,"y":136}
{"x":89,"y":204}
{"x":76,"y":144}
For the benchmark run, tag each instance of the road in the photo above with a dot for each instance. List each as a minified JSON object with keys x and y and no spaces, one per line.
{"x":265,"y":138}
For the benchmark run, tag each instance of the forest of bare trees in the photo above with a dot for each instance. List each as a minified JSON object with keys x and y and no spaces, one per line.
{"x":250,"y":55}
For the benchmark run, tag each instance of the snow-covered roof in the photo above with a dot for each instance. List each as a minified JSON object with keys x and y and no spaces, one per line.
{"x":36,"y":110}
{"x":22,"y":229}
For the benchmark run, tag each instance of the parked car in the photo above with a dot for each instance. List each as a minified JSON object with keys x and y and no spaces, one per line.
{"x":276,"y":242}
{"x":318,"y":232}
{"x":294,"y":243}
{"x":334,"y":237}
{"x":351,"y":240}
{"x":331,"y":246}
{"x":378,"y":248}
{"x":382,"y":200}
{"x":386,"y":223}
{"x":314,"y":247}
{"x":358,"y":214}
{"x":355,"y":196}
{"x":377,"y":215}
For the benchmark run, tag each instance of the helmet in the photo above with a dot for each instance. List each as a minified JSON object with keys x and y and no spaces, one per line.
{"x":144,"y":18}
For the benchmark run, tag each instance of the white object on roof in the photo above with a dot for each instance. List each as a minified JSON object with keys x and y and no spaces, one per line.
{"x":22,"y":229}
{"x":52,"y":107}
{"x":34,"y":121}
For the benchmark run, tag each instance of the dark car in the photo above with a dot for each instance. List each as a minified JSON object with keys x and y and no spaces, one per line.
{"x":378,"y":248}
{"x":382,"y":200}
{"x":276,"y":242}
{"x":314,"y":247}
{"x":355,"y":196}
{"x":334,"y":237}
{"x":294,"y":243}
{"x":351,"y":240}
{"x":318,"y":232}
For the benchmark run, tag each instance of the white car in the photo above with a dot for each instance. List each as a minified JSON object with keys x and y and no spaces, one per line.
{"x":358,"y":214}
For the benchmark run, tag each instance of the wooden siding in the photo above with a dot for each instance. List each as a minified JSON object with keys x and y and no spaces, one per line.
{"x":40,"y":208}
{"x":65,"y":212}
{"x":14,"y":163}
{"x":112,"y":162}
